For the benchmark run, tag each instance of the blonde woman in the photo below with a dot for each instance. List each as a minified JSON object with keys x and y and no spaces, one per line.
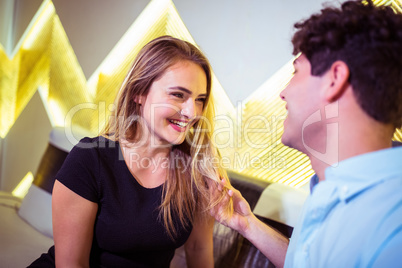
{"x":131,"y":196}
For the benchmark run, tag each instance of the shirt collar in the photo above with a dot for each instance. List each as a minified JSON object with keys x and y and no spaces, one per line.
{"x":313,"y":182}
{"x":355,"y":174}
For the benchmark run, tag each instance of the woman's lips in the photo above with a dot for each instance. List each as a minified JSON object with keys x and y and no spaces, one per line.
{"x":178,"y":125}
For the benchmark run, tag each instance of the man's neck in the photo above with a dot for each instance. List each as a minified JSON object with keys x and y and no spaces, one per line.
{"x":352,"y":144}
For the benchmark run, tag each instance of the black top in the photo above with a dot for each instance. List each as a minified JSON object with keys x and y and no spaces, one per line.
{"x":128,"y":231}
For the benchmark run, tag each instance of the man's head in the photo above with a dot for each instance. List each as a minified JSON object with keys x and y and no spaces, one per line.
{"x":368,"y":39}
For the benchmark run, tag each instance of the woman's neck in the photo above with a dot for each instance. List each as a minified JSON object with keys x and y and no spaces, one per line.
{"x":148,"y":165}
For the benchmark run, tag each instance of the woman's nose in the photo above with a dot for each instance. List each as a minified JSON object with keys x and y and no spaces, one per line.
{"x":188,"y":109}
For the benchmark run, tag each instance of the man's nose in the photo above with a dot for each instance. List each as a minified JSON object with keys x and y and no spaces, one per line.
{"x":282,"y":94}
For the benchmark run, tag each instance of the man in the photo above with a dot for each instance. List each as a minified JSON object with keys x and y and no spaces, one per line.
{"x":344,"y":103}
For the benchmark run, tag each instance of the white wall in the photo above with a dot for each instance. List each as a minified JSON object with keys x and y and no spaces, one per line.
{"x":6,"y":23}
{"x":24,"y":144}
{"x":247,"y":41}
{"x":1,"y":162}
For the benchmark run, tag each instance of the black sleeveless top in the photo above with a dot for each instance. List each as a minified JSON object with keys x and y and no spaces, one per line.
{"x":128,"y":231}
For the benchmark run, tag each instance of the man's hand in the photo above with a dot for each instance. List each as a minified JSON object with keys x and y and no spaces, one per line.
{"x":270,"y":242}
{"x":241,"y":209}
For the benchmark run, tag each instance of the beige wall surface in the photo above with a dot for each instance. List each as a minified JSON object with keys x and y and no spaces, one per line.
{"x":24,"y":144}
{"x":6,"y":22}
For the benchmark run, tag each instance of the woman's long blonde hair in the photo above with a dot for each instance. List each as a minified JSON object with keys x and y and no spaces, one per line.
{"x":188,"y":190}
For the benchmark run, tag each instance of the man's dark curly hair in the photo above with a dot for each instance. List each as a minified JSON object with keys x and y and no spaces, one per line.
{"x":369,"y":40}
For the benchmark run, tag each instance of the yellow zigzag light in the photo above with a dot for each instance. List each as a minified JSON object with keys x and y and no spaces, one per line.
{"x":395,"y":4}
{"x":43,"y":59}
{"x":261,"y":154}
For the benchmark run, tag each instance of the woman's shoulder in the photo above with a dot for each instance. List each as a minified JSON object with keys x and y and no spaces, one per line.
{"x":97,"y":148}
{"x":98,"y":142}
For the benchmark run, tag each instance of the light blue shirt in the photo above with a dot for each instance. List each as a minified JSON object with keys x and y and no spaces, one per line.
{"x":354,"y":217}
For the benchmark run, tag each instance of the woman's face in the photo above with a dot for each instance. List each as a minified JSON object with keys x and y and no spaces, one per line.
{"x":174,"y":103}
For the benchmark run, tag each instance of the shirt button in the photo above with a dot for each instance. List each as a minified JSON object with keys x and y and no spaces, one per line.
{"x":343,"y":192}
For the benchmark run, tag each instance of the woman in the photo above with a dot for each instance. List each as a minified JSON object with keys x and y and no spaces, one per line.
{"x":131,"y":196}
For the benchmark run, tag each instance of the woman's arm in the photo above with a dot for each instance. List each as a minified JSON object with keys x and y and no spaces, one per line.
{"x":199,"y":246}
{"x":73,"y":227}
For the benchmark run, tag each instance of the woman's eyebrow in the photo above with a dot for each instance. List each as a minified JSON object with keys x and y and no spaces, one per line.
{"x":186,"y":90}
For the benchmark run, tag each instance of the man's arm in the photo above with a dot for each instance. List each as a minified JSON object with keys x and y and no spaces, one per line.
{"x":270,"y":242}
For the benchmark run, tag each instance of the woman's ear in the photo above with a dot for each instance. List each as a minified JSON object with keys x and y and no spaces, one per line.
{"x":139,"y":99}
{"x":339,"y":81}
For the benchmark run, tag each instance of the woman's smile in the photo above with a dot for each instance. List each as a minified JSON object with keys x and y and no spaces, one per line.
{"x":179,"y":125}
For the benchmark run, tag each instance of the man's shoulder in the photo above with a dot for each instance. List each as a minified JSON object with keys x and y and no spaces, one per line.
{"x":383,"y":245}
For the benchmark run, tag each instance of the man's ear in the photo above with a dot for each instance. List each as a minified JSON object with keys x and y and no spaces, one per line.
{"x":339,"y":81}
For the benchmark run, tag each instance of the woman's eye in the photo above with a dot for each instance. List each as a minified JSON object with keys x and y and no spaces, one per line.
{"x":178,"y":95}
{"x":202,"y":100}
